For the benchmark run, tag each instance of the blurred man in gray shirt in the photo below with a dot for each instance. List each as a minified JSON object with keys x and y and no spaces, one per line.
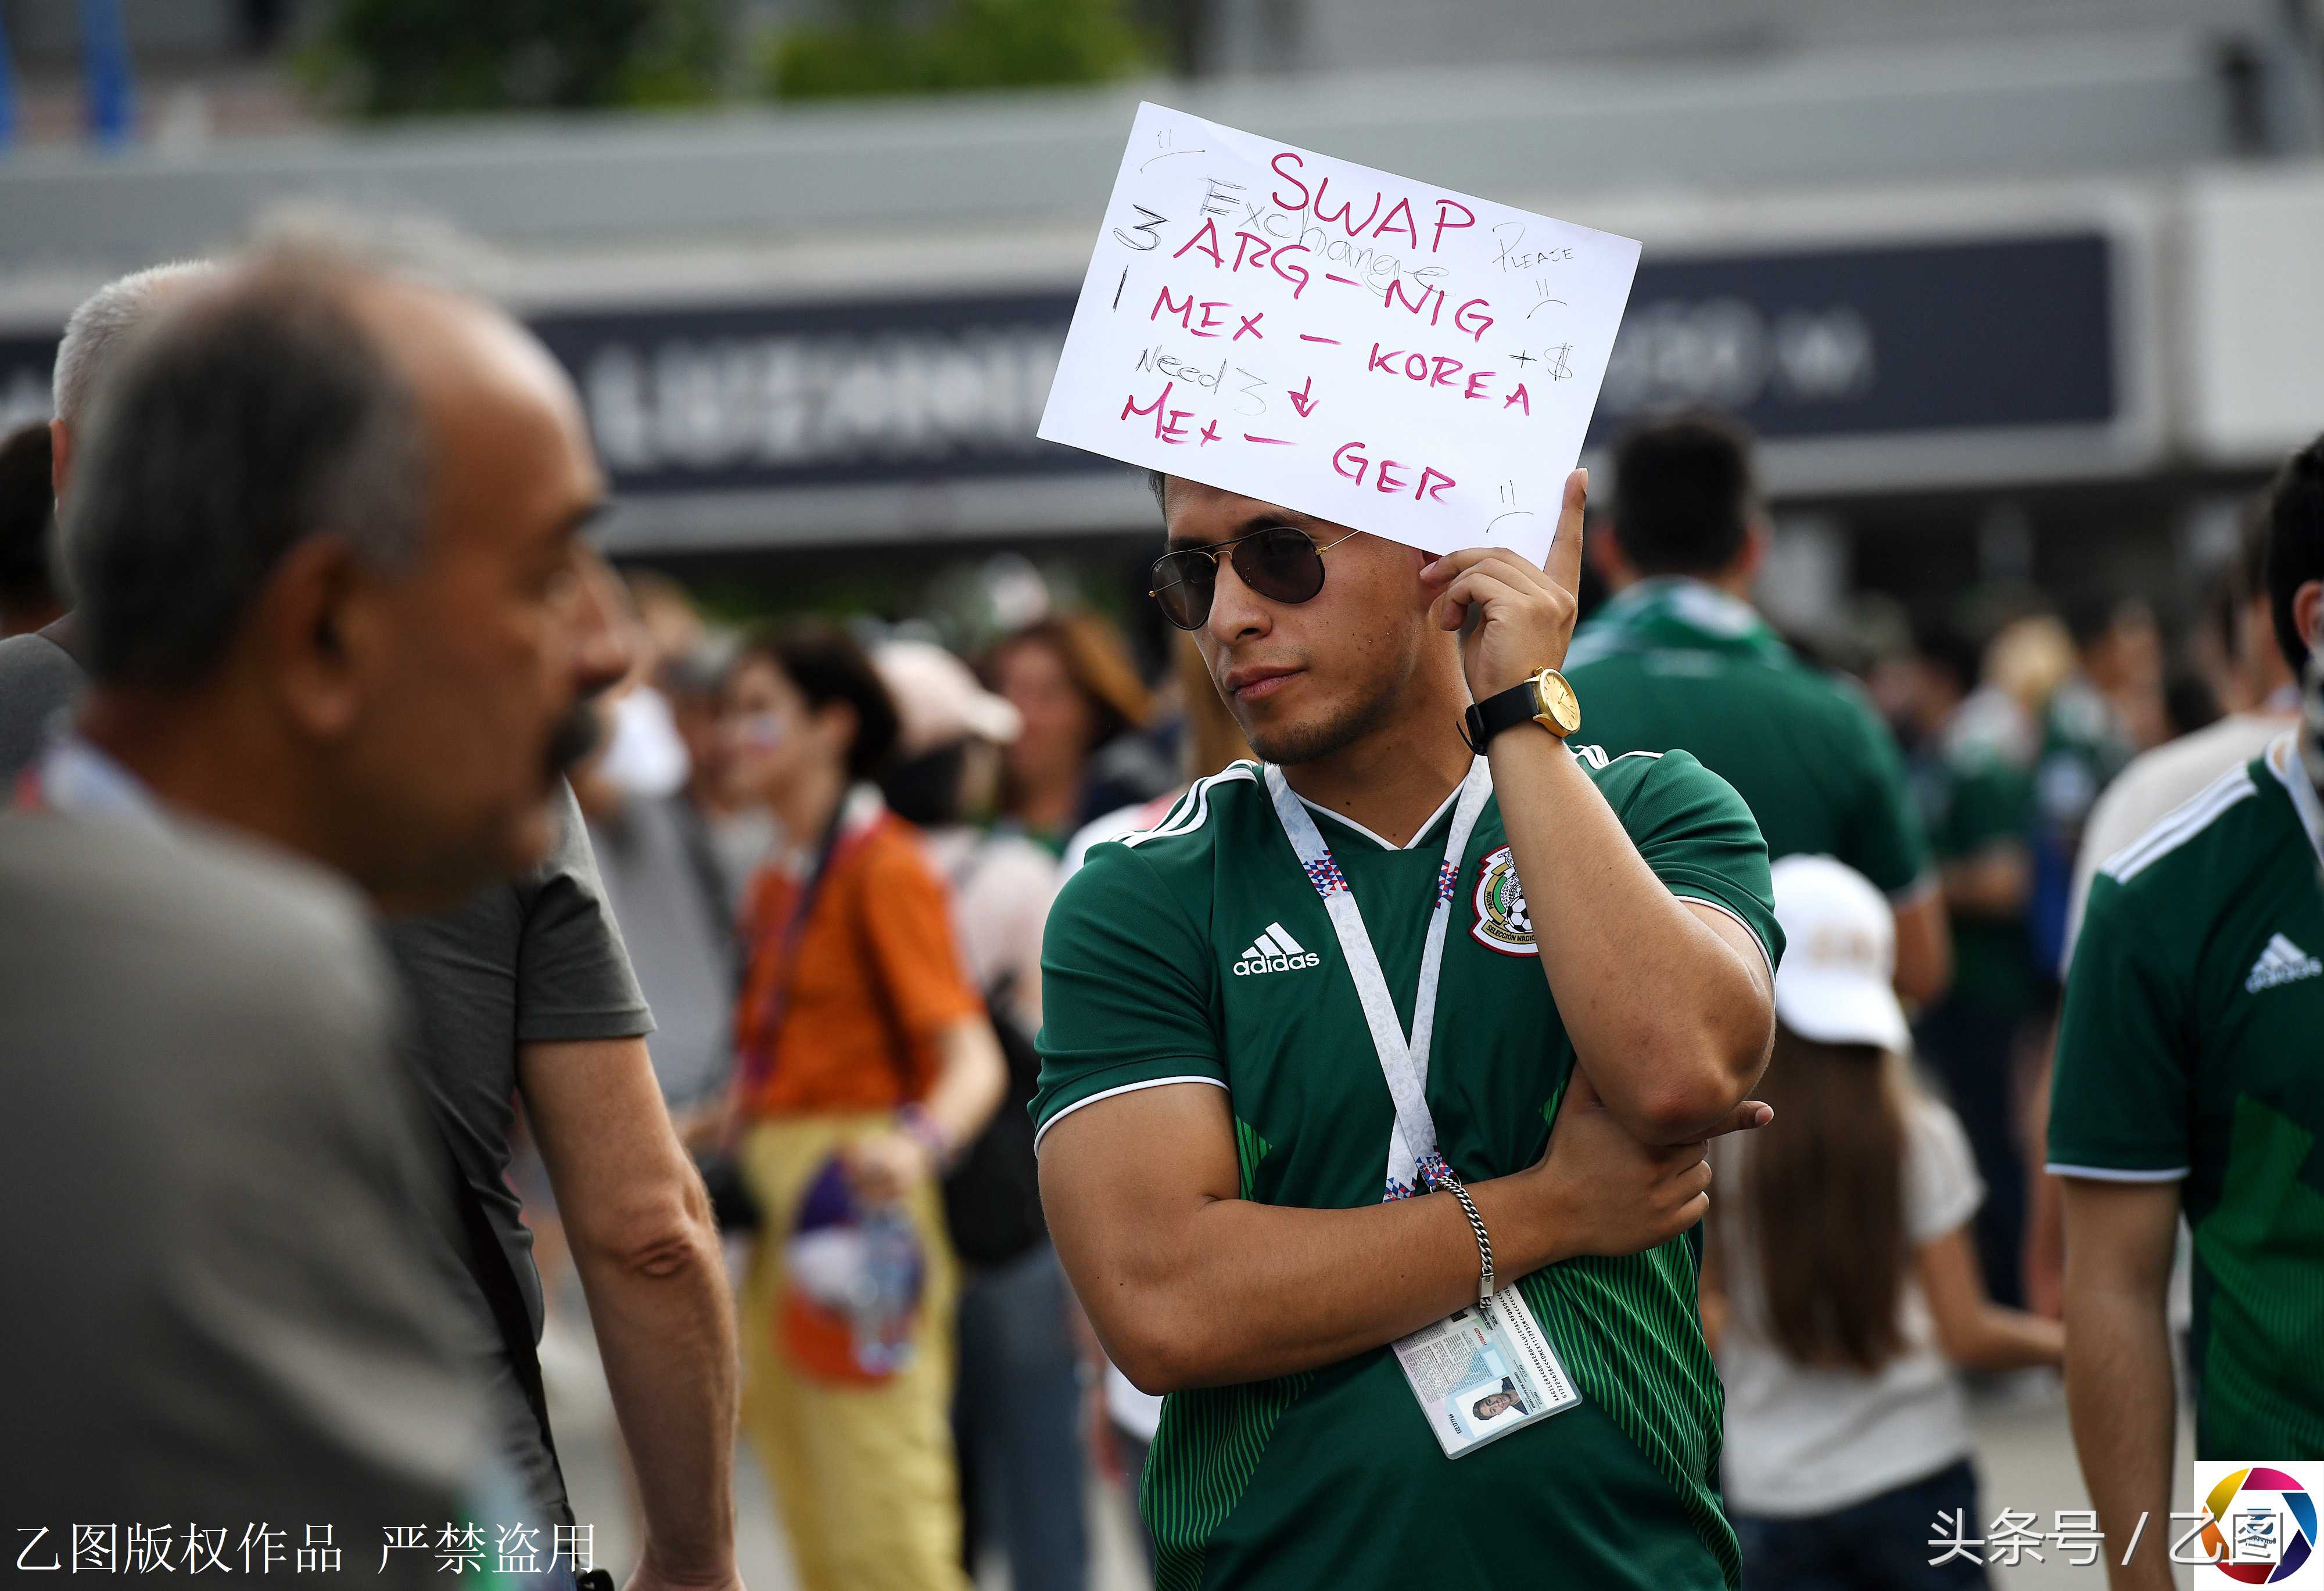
{"x":323,"y":533}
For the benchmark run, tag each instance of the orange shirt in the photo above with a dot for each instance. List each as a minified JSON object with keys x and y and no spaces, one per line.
{"x":878,"y":976}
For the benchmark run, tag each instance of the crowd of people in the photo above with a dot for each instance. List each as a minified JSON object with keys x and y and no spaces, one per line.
{"x":403,"y":904}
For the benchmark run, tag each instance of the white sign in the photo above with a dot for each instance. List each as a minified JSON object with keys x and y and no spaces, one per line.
{"x":1373,"y":350}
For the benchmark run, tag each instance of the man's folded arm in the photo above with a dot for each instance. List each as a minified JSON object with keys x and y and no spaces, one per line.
{"x":1189,"y":1284}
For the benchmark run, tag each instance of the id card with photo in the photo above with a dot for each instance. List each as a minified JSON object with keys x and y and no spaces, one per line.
{"x":1484,"y":1372}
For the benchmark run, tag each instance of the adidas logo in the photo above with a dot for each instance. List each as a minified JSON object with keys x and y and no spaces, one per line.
{"x":1275,"y":951}
{"x":2281,"y":963}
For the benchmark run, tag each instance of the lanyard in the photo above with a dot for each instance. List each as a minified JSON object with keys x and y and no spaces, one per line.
{"x":1403,"y":1059}
{"x":851,"y":820}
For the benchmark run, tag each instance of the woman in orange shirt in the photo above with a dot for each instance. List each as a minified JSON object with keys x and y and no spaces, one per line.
{"x":865,"y":1063}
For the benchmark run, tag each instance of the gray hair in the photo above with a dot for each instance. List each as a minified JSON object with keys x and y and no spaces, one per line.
{"x":258,"y":417}
{"x":98,"y":330}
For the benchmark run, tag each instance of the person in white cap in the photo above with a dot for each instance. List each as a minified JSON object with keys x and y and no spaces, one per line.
{"x":1017,"y":1400}
{"x":1848,"y":1446}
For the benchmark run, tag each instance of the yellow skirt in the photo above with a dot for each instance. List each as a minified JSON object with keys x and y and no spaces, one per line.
{"x":863,"y":1475}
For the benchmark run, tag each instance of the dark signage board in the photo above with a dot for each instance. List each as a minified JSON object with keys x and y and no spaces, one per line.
{"x":1898,"y":342}
{"x":1876,"y":341}
{"x":883,"y":391}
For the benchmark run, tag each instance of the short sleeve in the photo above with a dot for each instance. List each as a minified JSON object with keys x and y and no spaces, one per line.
{"x":1942,"y":1187}
{"x":1125,"y":989}
{"x":907,"y":918}
{"x":1891,"y":846}
{"x":1699,"y":837}
{"x":2121,"y":1105}
{"x":574,"y":977}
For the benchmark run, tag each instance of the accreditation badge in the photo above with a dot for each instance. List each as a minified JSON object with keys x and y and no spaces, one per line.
{"x":1484,"y":1372}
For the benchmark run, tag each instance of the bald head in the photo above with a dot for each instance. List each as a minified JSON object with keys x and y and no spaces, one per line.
{"x":498,"y":412}
{"x":257,"y":412}
{"x":345,"y":503}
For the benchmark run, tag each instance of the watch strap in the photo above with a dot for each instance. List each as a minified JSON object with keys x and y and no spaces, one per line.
{"x":1503,"y":709}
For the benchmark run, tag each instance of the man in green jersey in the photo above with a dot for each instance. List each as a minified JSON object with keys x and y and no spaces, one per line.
{"x":1220,"y":1115}
{"x":1679,"y":658}
{"x":2188,"y":1080}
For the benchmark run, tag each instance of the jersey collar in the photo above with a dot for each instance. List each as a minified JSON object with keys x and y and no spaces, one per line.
{"x":1418,"y":834}
{"x":2282,"y":757}
{"x":1668,"y":612}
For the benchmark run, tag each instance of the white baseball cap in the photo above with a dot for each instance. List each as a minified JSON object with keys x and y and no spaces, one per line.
{"x":1837,"y":982}
{"x":938,"y":700}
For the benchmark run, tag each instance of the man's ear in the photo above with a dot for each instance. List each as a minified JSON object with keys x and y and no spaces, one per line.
{"x":59,"y":457}
{"x":2308,"y":613}
{"x":1752,"y":557}
{"x":1603,"y":548}
{"x":320,"y":626}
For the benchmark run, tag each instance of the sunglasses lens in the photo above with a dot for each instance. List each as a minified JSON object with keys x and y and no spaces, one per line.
{"x":1281,"y":564}
{"x":1183,"y":585}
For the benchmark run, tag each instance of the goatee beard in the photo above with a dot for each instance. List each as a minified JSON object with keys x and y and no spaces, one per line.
{"x":576,"y":736}
{"x":1293,"y":744}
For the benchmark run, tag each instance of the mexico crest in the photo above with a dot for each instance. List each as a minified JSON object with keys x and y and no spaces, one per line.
{"x":1502,"y":923}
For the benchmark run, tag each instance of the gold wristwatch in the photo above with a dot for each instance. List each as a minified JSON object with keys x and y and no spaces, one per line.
{"x":1544,"y":698}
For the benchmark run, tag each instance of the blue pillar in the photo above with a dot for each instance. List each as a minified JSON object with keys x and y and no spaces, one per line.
{"x":110,"y":91}
{"x":7,"y":90}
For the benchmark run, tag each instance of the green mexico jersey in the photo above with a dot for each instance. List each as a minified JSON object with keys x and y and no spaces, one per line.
{"x":2192,"y":1050}
{"x":1201,"y":951}
{"x":1673,"y":662}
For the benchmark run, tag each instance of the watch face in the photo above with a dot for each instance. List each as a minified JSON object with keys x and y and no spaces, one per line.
{"x":1558,"y":702}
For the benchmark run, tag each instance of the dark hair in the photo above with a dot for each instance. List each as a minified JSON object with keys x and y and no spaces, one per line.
{"x":2295,"y":544}
{"x":828,"y":665}
{"x":2090,"y":613}
{"x":27,"y":512}
{"x":1825,"y":1189}
{"x":1947,"y":647}
{"x":237,"y":428}
{"x":1684,"y":498}
{"x":926,"y":789}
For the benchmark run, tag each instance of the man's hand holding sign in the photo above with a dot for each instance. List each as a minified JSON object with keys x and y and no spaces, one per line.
{"x":1232,"y":1137}
{"x":1589,"y":937}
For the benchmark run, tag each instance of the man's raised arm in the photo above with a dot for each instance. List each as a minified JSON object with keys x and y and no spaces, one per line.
{"x":1670,"y":1002}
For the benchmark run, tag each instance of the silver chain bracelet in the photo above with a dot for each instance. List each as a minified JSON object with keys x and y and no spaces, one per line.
{"x":1477,"y":1225}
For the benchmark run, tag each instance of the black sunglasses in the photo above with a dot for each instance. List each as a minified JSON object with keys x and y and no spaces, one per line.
{"x":1281,"y":563}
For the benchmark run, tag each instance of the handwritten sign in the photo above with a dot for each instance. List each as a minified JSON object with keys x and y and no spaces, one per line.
{"x":1391,"y":357}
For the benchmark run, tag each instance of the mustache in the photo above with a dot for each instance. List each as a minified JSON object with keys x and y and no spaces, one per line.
{"x":576,"y":735}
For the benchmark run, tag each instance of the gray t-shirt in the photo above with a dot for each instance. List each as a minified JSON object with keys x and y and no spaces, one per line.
{"x":220,"y":1309}
{"x":535,"y":961}
{"x":38,"y":681}
{"x":669,"y":892}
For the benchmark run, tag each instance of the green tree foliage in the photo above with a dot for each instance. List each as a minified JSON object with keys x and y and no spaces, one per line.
{"x":399,"y":57}
{"x":964,"y":44}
